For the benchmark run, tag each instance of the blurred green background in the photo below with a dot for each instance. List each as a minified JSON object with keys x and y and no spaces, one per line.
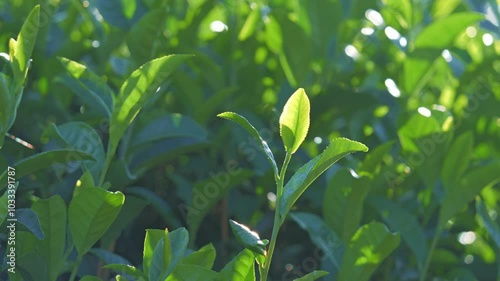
{"x":417,"y":81}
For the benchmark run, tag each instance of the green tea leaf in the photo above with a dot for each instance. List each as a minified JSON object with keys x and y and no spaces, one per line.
{"x":21,"y":49}
{"x":153,"y":237}
{"x":82,"y":137}
{"x":166,"y":258}
{"x":136,"y":90}
{"x":322,"y":236}
{"x":89,"y":87}
{"x":312,"y":276}
{"x":401,"y":220}
{"x":465,"y":190}
{"x":243,"y":122}
{"x":29,"y":219}
{"x":204,"y":257}
{"x":247,"y":238}
{"x":44,"y":160}
{"x":240,"y":268}
{"x":161,"y":258}
{"x":90,"y":214}
{"x":371,"y":244}
{"x":457,"y":159}
{"x":430,"y":43}
{"x":294,"y":120}
{"x":301,"y":180}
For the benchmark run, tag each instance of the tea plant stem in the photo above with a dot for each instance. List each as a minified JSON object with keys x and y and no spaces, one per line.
{"x":109,"y":156}
{"x":277,"y":218}
{"x":428,"y":259}
{"x":75,"y":268}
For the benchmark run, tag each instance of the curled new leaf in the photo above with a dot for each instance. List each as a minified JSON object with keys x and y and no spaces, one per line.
{"x":248,"y":238}
{"x":294,"y":121}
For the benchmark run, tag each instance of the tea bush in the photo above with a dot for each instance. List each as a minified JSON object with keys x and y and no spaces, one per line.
{"x":114,"y":165}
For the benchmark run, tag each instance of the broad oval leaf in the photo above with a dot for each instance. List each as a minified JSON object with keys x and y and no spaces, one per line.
{"x":371,"y":244}
{"x":90,"y":214}
{"x":301,"y":180}
{"x":136,"y":90}
{"x":312,"y":275}
{"x":245,"y":124}
{"x":248,"y":238}
{"x":294,"y":120}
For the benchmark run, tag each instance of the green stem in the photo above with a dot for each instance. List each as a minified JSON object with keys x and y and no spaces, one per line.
{"x":109,"y":156}
{"x":277,"y":218}
{"x":428,"y":259}
{"x":75,"y":268}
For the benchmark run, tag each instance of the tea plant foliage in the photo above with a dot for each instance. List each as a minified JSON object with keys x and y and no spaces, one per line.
{"x":119,"y":169}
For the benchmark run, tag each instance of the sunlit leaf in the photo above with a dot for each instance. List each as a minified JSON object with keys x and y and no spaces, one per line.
{"x":294,"y":120}
{"x":301,"y":180}
{"x":90,"y":214}
{"x":136,"y":90}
